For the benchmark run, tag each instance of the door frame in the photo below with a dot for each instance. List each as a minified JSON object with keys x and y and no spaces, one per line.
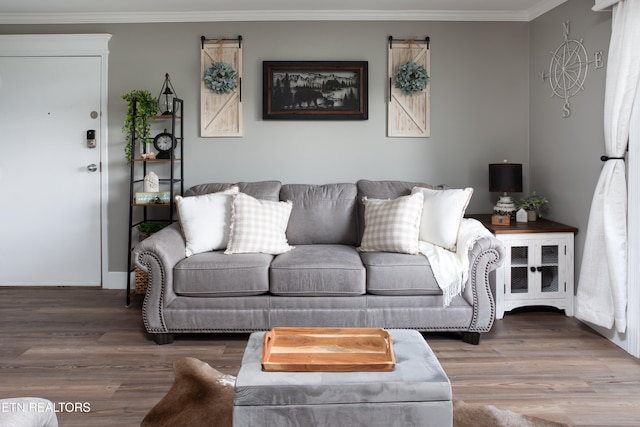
{"x":56,"y":45}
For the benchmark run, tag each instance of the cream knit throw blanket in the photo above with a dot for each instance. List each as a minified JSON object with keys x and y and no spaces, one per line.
{"x":451,"y":269}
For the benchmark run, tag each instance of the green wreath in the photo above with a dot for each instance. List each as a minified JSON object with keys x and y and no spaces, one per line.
{"x":220,"y":77}
{"x":411,"y":78}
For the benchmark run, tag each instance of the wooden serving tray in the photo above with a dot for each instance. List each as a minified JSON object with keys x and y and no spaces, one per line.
{"x":328,"y":350}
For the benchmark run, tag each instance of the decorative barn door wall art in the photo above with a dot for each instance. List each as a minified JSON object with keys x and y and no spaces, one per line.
{"x":408,"y":96}
{"x":221,"y":87}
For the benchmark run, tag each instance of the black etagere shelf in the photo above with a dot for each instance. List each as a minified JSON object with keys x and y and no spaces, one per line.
{"x":171,"y":179}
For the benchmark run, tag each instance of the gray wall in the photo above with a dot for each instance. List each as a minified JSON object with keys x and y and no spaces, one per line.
{"x":479,"y":105}
{"x":565,"y":152}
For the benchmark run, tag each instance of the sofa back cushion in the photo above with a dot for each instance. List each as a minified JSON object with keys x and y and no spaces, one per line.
{"x":383,"y":190}
{"x":264,"y":190}
{"x":321,"y":214}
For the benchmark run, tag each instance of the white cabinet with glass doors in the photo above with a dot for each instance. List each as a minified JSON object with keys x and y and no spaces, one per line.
{"x":538,"y":269}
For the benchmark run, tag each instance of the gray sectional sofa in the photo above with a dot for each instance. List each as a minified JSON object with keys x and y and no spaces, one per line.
{"x":323,"y":282}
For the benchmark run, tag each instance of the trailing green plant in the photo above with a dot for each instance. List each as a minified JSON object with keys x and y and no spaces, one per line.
{"x":146,"y":106}
{"x":151,"y":227}
{"x":535,"y":203}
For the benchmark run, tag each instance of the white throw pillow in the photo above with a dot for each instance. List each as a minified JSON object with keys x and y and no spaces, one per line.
{"x":392,"y":225}
{"x":205,"y":220}
{"x":442,"y":214}
{"x":258,"y":226}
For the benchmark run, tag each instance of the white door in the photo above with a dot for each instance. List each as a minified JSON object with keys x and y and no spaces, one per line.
{"x":50,"y":210}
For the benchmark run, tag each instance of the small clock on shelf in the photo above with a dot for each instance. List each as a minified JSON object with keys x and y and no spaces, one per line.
{"x":164,"y":143}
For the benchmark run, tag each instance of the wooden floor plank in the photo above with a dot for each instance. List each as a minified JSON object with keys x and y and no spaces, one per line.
{"x":83,"y":344}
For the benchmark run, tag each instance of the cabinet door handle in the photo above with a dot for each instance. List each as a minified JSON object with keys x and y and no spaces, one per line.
{"x":533,"y":269}
{"x":539,"y":269}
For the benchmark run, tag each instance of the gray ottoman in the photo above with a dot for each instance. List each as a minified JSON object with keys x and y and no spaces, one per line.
{"x":416,"y":393}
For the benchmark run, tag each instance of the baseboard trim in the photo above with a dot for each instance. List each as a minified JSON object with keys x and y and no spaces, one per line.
{"x":115,"y":280}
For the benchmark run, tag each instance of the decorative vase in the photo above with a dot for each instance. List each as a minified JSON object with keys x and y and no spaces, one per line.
{"x":531,"y":216}
{"x":505,"y":207}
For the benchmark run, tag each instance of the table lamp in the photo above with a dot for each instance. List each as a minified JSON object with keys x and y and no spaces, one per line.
{"x":505,"y":178}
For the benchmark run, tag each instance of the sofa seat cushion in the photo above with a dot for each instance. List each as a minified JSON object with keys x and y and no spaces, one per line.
{"x":217,"y":274}
{"x":318,"y":270}
{"x":399,"y":274}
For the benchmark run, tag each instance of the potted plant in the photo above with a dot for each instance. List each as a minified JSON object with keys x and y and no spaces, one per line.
{"x":146,"y":109}
{"x":147,"y":228}
{"x":535,"y":205}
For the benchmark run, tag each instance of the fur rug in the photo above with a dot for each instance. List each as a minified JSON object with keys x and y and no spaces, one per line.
{"x":465,"y":415}
{"x":202,"y":396}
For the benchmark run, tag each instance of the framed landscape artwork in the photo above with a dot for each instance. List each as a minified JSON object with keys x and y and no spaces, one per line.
{"x":314,"y":90}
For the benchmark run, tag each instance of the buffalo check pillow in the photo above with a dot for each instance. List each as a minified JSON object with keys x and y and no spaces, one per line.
{"x":205,"y":220}
{"x":392,"y":225}
{"x":258,"y":226}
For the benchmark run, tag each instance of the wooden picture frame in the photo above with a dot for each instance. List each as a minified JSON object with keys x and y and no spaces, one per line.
{"x":315,"y":90}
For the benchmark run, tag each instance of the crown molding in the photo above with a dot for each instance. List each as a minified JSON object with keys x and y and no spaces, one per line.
{"x":604,"y":5}
{"x":276,"y":15}
{"x":54,"y":44}
{"x":543,"y":7}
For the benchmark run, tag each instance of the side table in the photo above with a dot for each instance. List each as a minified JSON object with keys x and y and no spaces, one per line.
{"x":539,"y":266}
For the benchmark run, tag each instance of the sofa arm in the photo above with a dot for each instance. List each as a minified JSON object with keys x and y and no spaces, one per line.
{"x":157,"y":255}
{"x":485,"y":255}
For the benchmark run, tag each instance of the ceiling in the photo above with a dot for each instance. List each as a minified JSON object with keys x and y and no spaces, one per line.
{"x":138,"y":11}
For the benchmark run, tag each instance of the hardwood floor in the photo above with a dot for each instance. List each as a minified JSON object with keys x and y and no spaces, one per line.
{"x":83,"y":345}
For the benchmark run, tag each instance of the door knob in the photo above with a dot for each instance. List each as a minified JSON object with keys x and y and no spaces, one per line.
{"x":92,"y":167}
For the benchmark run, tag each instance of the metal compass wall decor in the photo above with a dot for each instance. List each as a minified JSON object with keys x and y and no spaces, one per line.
{"x":568,"y":69}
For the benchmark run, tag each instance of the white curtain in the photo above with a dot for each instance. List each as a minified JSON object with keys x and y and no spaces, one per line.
{"x":602,"y":288}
